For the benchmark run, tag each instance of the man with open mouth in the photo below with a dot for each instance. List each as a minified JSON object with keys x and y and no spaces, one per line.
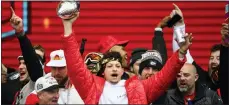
{"x":112,"y":89}
{"x":67,"y":93}
{"x":189,"y":91}
{"x":31,"y":63}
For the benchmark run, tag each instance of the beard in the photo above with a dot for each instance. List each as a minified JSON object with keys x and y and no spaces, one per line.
{"x":63,"y":81}
{"x":183,"y":89}
{"x":213,"y":67}
{"x":214,"y":75}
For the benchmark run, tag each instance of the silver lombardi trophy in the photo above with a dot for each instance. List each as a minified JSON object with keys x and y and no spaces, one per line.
{"x":68,"y":9}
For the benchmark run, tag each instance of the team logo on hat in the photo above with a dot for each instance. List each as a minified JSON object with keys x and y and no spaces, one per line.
{"x":152,"y":54}
{"x":57,"y":57}
{"x":39,"y":86}
{"x":153,"y":63}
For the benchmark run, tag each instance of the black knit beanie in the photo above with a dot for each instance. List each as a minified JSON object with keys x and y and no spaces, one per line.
{"x":152,"y":59}
{"x":136,"y":54}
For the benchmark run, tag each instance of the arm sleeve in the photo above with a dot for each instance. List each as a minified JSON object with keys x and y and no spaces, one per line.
{"x":223,"y":73}
{"x":177,"y":36}
{"x":158,"y":44}
{"x":80,"y":76}
{"x":32,"y":61}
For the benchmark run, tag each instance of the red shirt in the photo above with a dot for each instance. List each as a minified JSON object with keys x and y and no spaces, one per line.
{"x":189,"y":97}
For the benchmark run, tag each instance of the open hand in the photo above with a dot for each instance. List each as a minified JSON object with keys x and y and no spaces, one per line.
{"x":188,"y":42}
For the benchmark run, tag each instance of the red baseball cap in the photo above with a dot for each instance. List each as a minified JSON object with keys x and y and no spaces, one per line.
{"x":108,"y":42}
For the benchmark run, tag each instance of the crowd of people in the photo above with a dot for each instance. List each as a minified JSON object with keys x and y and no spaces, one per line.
{"x":105,"y":77}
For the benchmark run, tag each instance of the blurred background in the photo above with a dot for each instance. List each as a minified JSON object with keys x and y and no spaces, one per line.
{"x":134,"y":21}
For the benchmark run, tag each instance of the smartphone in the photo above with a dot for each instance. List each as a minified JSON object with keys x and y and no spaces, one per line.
{"x":174,"y":19}
{"x":227,"y":10}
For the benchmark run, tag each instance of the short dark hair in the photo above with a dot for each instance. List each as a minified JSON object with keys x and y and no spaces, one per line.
{"x":215,"y":47}
{"x":106,"y":58}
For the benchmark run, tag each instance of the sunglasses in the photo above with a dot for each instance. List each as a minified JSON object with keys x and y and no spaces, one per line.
{"x":93,"y":57}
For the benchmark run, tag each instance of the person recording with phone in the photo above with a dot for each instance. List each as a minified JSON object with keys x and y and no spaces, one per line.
{"x":224,"y":58}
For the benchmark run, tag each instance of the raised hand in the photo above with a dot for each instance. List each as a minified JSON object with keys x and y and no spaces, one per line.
{"x":16,"y":22}
{"x":68,"y":25}
{"x":177,"y":10}
{"x":163,"y":22}
{"x":185,"y":45}
{"x":225,"y":34}
{"x":71,"y":20}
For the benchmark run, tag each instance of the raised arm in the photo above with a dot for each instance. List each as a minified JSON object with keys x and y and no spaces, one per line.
{"x":158,"y":41}
{"x":179,"y":33}
{"x":33,"y":64}
{"x":224,"y":64}
{"x":82,"y":78}
{"x":157,"y":84}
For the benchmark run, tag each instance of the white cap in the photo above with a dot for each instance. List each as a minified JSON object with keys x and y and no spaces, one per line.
{"x":46,"y":83}
{"x":57,"y":59}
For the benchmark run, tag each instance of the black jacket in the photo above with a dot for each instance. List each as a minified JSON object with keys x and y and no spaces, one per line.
{"x":9,"y":89}
{"x":206,"y":97}
{"x":204,"y":78}
{"x":32,"y":61}
{"x":223,"y":73}
{"x":158,"y":44}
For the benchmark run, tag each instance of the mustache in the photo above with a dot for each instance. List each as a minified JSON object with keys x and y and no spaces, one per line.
{"x":58,"y":76}
{"x":215,"y":66}
{"x":182,"y":83}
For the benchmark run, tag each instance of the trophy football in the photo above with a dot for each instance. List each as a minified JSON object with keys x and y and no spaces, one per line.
{"x":68,"y":9}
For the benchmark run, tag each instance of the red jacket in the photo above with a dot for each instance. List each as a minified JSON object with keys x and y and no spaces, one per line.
{"x":90,"y":87}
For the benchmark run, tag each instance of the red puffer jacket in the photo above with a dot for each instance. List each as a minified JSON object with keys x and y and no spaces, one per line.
{"x":90,"y":87}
